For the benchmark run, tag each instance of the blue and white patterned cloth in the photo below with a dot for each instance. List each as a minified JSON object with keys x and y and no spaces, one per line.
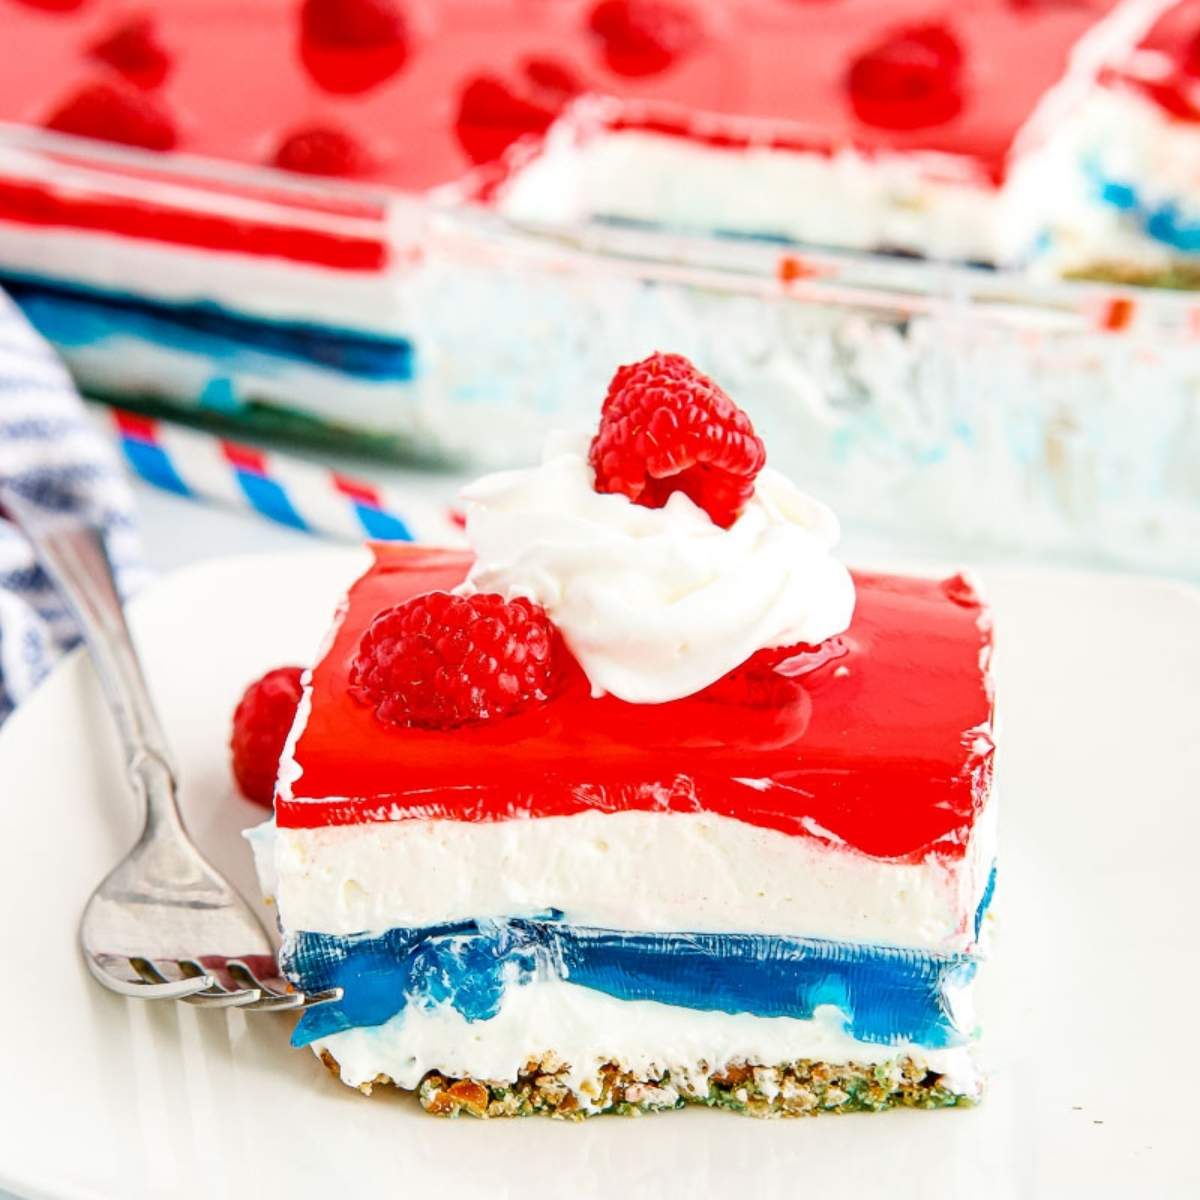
{"x":53,"y":455}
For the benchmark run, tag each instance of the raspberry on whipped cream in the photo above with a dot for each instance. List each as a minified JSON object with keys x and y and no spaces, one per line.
{"x":657,"y":603}
{"x":666,"y":428}
{"x":662,"y":549}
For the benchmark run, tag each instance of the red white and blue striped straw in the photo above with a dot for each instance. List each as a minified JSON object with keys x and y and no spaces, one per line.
{"x":286,"y":490}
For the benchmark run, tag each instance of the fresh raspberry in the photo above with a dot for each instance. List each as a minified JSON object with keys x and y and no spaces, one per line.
{"x":643,"y":37}
{"x":261,"y":724}
{"x":134,"y":49}
{"x":350,"y":71}
{"x":439,"y":660}
{"x":322,"y":150}
{"x":116,"y":113}
{"x":357,"y":24}
{"x":910,"y":79}
{"x":492,"y":115}
{"x":553,"y":78}
{"x":666,"y":428}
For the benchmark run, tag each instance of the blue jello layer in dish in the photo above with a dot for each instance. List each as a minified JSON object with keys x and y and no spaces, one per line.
{"x":1166,"y":221}
{"x":888,"y":995}
{"x":72,"y":316}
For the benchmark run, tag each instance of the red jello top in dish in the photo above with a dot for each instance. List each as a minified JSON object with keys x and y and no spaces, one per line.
{"x":884,"y":744}
{"x":413,"y":92}
{"x":1165,"y":66}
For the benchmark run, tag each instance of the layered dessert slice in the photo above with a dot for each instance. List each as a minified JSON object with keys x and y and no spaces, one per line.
{"x":217,"y":293}
{"x":644,"y":801}
{"x":1116,"y":180}
{"x":867,"y":126}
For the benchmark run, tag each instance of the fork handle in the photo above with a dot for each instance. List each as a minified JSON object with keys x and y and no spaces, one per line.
{"x":72,"y":554}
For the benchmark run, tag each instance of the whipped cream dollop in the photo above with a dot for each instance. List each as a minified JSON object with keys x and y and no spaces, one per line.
{"x":656,"y":603}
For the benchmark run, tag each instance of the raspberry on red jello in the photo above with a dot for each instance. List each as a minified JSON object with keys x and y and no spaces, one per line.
{"x":354,"y":23}
{"x":440,"y":660}
{"x":116,"y":113}
{"x":322,"y":150}
{"x":134,"y":48}
{"x":667,"y":428}
{"x":643,"y":37}
{"x":261,"y":725}
{"x":908,"y":79}
{"x":492,"y":113}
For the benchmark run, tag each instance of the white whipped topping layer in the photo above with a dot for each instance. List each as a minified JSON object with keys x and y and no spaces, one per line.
{"x":656,"y":603}
{"x":933,"y":204}
{"x":639,"y":871}
{"x":587,"y":1029}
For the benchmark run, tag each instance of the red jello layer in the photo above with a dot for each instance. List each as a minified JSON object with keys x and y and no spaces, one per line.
{"x":1165,"y":67}
{"x":237,"y":79}
{"x":885,"y":744}
{"x":31,"y":203}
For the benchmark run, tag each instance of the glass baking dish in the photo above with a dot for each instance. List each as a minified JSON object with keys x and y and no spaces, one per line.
{"x":953,"y":408}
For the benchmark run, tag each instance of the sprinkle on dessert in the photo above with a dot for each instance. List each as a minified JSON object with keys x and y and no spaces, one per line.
{"x":439,"y":660}
{"x":116,"y":113}
{"x":261,"y":724}
{"x":643,"y":37}
{"x":667,"y":428}
{"x":910,"y":79}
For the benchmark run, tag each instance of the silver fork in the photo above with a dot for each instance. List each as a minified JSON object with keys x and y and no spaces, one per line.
{"x":164,"y":923}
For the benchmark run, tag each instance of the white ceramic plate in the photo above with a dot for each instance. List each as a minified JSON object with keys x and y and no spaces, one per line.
{"x":1089,"y":1004}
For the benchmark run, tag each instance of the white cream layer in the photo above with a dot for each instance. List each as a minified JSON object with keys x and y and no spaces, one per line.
{"x":656,"y":603}
{"x":123,"y":365}
{"x":275,"y":289}
{"x":635,"y":871}
{"x":1118,"y":136}
{"x":586,"y":1029}
{"x":928,"y":204}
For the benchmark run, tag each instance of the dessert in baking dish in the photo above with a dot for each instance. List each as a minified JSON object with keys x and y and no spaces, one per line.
{"x":949,"y":131}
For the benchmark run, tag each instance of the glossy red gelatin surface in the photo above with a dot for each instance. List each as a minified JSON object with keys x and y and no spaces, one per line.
{"x":885,"y":745}
{"x":235,"y":79}
{"x":1165,"y":67}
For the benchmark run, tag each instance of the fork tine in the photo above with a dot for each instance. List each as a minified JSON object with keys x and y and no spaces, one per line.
{"x":215,"y":995}
{"x":175,"y":989}
{"x":273,"y":999}
{"x":313,"y":998}
{"x":222,"y":999}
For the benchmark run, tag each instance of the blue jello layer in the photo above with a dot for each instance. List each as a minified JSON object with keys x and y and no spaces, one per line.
{"x":888,"y":995}
{"x":1165,"y":221}
{"x":72,"y":316}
